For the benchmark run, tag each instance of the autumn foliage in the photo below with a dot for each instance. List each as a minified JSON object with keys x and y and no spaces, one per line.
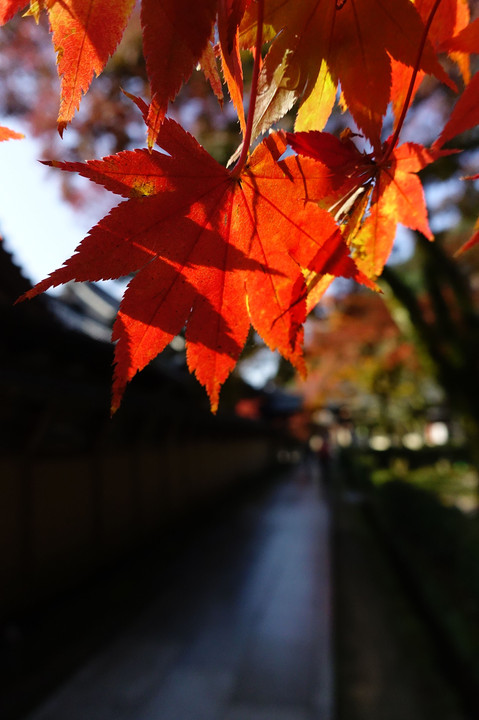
{"x":214,"y":250}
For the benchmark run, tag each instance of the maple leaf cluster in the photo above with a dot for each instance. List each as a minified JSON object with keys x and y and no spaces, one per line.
{"x":214,"y":250}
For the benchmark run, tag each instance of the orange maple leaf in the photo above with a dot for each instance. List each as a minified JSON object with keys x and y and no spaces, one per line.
{"x":85,"y":33}
{"x":371,"y":192}
{"x":397,"y":197}
{"x":212,"y":250}
{"x":320,"y":43}
{"x":230,"y":13}
{"x":208,"y":65}
{"x":7,"y":134}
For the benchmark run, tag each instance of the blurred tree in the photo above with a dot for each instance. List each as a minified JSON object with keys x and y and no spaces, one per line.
{"x":359,"y":357}
{"x":442,"y":314}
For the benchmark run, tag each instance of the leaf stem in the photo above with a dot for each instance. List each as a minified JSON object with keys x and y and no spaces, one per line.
{"x":253,"y":92}
{"x":394,"y":140}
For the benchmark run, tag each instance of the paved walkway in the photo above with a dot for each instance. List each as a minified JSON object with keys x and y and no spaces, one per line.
{"x":241,"y":630}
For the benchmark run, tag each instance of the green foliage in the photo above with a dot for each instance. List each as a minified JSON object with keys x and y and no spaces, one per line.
{"x":434,"y":543}
{"x":440,"y":546}
{"x":453,"y":483}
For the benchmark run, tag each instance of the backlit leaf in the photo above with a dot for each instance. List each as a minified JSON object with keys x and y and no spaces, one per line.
{"x":388,"y":180}
{"x":175,"y":35}
{"x":85,"y":34}
{"x":319,"y":44}
{"x":211,"y":251}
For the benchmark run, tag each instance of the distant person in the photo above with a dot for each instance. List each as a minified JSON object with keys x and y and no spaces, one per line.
{"x":324,"y":459}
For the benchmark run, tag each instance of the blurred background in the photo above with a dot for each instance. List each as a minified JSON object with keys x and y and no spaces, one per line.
{"x":385,"y":429}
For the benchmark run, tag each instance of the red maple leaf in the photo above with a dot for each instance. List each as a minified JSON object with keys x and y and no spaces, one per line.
{"x":465,"y":114}
{"x":211,"y":250}
{"x":9,"y":8}
{"x":370,"y":193}
{"x":466,"y":40}
{"x":175,"y":35}
{"x":474,"y":240}
{"x":450,"y":17}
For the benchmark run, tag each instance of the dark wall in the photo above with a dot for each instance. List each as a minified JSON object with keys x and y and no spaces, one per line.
{"x":77,"y":489}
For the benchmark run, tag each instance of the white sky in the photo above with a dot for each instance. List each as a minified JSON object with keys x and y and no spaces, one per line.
{"x":38,"y":227}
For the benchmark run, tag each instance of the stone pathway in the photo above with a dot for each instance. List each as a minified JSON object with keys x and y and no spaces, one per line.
{"x":240,"y":631}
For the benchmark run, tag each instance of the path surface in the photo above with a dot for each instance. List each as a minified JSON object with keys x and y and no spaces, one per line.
{"x":240,"y":631}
